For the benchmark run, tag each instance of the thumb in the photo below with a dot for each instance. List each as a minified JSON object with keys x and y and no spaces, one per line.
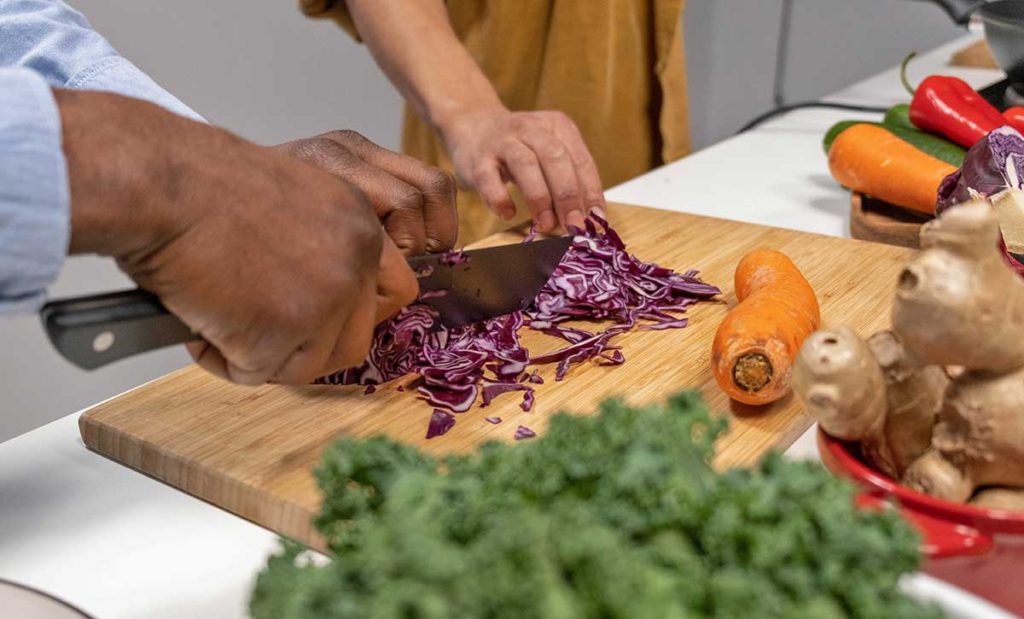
{"x":396,"y":283}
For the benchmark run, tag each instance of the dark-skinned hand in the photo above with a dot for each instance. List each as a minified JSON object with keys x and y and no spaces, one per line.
{"x":282,"y":269}
{"x":415,"y":202}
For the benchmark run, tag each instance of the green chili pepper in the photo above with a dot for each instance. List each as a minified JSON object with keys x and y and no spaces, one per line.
{"x":899,"y":116}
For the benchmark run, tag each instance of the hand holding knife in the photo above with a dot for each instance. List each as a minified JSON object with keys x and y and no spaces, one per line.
{"x":93,"y":331}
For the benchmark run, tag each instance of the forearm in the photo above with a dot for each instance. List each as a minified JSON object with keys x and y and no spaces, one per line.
{"x":541,"y":151}
{"x":66,"y":186}
{"x":414,"y":44}
{"x":117,"y":163}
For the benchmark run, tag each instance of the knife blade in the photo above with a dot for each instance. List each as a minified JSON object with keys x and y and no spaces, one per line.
{"x":491,"y":282}
{"x":95,"y":330}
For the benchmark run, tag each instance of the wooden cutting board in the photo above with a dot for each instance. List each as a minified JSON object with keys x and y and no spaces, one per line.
{"x":977,"y":55}
{"x":250,"y":450}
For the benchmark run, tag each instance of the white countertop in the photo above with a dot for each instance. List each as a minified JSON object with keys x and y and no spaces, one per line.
{"x":118,"y":544}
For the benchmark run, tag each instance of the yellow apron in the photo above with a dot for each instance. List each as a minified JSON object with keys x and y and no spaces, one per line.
{"x":616,"y":67}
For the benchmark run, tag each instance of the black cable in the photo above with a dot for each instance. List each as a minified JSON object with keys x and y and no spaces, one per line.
{"x":778,"y":86}
{"x":806,"y":104}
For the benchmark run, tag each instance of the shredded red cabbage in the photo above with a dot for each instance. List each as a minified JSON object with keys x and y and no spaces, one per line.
{"x":596,"y":280}
{"x":454,"y":257}
{"x":493,"y":388}
{"x":524,"y":432}
{"x":494,"y":420}
{"x":527,"y":403}
{"x":440,"y":422}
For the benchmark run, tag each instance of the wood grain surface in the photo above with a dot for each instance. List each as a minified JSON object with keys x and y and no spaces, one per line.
{"x":250,"y":450}
{"x":977,"y":55}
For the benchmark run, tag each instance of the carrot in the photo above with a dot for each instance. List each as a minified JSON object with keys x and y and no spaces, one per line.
{"x":872,"y":160}
{"x":754,"y":348}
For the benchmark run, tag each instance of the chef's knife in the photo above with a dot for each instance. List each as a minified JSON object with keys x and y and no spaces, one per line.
{"x":487,"y":282}
{"x":95,"y":330}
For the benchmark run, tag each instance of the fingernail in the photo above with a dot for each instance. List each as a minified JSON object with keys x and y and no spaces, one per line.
{"x":547,"y":221}
{"x":575,"y":218}
{"x":597,"y":210}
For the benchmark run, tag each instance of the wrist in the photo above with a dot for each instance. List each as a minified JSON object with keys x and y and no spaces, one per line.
{"x":453,"y":120}
{"x":116,"y":161}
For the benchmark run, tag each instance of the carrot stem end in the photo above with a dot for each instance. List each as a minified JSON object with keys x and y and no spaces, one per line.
{"x":752,"y":372}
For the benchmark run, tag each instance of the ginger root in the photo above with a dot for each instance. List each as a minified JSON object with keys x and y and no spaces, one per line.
{"x":841,"y":384}
{"x":979,"y":438}
{"x":937,"y":402}
{"x":870,"y":392}
{"x":914,"y":397}
{"x":957,"y":303}
{"x":1007,"y":499}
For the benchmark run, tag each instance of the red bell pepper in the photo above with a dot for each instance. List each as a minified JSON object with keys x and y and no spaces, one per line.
{"x":948,"y":106}
{"x":1015,"y":117}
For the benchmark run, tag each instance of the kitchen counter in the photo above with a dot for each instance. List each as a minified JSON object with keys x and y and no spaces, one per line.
{"x":118,"y":544}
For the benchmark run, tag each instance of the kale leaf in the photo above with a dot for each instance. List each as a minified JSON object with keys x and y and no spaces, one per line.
{"x":615,"y":515}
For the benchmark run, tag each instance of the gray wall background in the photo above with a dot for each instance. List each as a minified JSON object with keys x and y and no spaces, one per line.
{"x":259,"y":68}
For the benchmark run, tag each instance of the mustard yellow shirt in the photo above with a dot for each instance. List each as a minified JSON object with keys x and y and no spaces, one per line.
{"x":616,"y":67}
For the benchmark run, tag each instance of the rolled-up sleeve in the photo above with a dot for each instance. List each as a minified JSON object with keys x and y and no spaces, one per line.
{"x":45,"y":44}
{"x":56,"y":41}
{"x":34,"y":201}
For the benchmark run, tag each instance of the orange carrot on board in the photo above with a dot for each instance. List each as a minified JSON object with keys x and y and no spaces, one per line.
{"x":754,"y":347}
{"x":871,"y":160}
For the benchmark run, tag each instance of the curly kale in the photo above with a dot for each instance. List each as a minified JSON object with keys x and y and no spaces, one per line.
{"x":615,"y":515}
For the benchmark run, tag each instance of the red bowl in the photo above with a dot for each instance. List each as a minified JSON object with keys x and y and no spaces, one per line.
{"x":980,"y":550}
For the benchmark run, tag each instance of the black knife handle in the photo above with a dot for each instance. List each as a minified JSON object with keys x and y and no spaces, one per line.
{"x":95,"y":330}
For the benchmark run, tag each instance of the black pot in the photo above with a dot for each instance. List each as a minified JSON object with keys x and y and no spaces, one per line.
{"x":1004,"y":29}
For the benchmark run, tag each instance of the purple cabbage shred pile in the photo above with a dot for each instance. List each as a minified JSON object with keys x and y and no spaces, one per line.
{"x":597,"y":280}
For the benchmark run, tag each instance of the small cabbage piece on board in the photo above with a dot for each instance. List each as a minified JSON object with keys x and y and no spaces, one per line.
{"x":615,"y":515}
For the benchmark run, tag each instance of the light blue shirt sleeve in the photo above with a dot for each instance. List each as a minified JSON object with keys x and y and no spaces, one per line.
{"x":34,"y":209}
{"x":44,"y":44}
{"x":56,"y":41}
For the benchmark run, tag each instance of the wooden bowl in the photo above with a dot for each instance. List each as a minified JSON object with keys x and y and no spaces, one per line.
{"x":880,"y":222}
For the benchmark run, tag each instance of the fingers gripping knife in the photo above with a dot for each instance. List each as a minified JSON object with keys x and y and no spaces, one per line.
{"x":464,"y":287}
